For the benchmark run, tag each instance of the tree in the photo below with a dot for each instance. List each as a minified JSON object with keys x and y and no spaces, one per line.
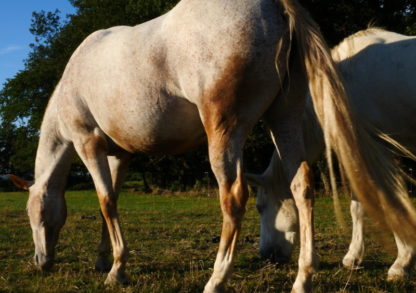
{"x":339,"y":19}
{"x":23,"y":98}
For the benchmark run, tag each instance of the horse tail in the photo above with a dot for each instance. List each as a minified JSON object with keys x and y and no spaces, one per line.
{"x":371,"y":170}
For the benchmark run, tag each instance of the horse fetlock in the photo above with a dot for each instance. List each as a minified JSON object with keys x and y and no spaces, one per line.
{"x":214,"y":288}
{"x":308,"y":266}
{"x":120,"y":257}
{"x":303,"y":282}
{"x":117,"y":277}
{"x":397,"y":273}
{"x":351,"y":262}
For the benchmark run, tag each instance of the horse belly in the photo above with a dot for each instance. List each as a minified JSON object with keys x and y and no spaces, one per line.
{"x":171,"y":128}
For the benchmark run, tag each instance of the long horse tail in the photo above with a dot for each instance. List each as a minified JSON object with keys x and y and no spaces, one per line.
{"x":371,"y":170}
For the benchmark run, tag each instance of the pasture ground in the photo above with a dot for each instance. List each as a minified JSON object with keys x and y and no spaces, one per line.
{"x":172,"y":242}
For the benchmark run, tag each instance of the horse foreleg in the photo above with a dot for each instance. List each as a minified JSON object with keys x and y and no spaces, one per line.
{"x":355,"y":253}
{"x":404,"y":262}
{"x":226,"y":161}
{"x":103,"y":263}
{"x":302,"y":192}
{"x":118,"y":168}
{"x":92,"y":149}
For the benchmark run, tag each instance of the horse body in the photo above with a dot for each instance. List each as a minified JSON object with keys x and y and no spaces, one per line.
{"x":389,"y":92}
{"x":378,"y":68}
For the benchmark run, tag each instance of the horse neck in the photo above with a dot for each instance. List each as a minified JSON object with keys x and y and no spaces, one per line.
{"x":275,"y":168}
{"x":53,"y":157}
{"x":313,"y":140}
{"x":312,"y":134}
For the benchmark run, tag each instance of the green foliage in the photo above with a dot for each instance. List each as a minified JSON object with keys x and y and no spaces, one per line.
{"x":342,"y":18}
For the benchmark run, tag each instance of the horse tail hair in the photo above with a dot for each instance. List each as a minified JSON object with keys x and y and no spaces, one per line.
{"x":372,"y":172}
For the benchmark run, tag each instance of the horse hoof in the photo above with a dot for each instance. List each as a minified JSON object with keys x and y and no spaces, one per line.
{"x":213,"y":289}
{"x":351,"y":263}
{"x":116,"y":279}
{"x":303,"y":282}
{"x":103,"y":265}
{"x":300,"y":289}
{"x":396,"y":274}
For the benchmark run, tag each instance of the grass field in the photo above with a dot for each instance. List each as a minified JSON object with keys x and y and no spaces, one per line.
{"x":172,"y":242}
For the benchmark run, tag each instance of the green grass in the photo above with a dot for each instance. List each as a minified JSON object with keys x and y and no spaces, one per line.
{"x":172,"y":244}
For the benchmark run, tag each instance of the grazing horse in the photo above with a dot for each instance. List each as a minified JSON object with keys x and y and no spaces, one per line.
{"x":378,"y":69}
{"x":206,"y":69}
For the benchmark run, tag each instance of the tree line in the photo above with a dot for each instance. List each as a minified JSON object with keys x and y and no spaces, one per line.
{"x":23,"y":98}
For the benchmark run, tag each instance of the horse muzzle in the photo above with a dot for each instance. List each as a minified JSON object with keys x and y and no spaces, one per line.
{"x":275,"y":256}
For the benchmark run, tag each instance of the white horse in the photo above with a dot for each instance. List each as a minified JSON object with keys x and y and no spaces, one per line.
{"x":379,"y":72}
{"x":205,"y":69}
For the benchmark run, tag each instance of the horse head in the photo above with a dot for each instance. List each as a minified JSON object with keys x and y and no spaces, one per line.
{"x":47,"y":214}
{"x":278,"y":217}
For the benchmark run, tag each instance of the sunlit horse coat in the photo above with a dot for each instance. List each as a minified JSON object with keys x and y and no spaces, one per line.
{"x":379,"y":69}
{"x":204,"y":69}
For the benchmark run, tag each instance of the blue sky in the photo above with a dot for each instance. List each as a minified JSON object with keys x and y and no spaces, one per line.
{"x":15,"y":20}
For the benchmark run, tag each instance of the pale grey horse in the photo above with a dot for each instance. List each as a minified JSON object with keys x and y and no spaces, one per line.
{"x":379,"y":69}
{"x":204,"y":70}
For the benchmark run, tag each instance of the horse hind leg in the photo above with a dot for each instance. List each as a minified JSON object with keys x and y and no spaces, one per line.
{"x":406,"y":257}
{"x":301,"y":190}
{"x":92,"y":149}
{"x":404,"y":262}
{"x":118,"y":168}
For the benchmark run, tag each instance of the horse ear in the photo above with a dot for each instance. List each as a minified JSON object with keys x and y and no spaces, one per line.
{"x":19,"y":182}
{"x":254,"y":179}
